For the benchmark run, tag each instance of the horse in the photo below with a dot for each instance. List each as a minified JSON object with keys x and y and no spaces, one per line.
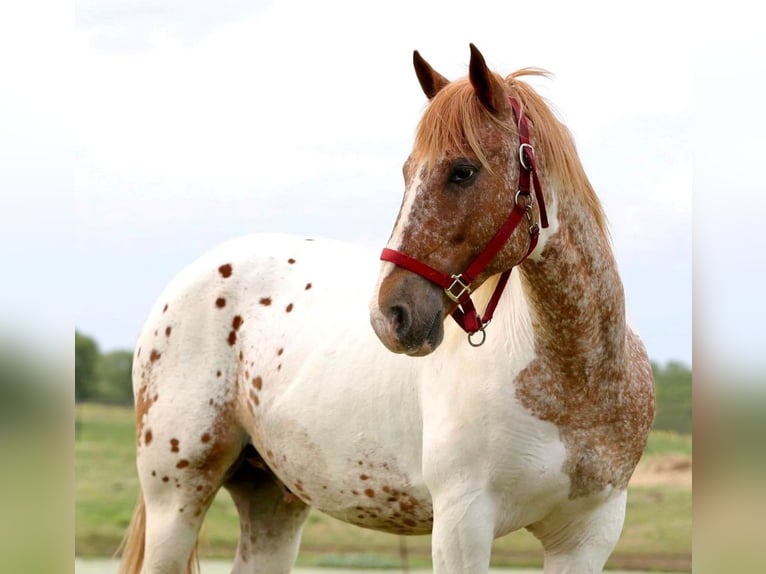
{"x":264,"y":367}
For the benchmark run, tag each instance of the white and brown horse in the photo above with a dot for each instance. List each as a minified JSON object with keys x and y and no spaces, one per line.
{"x":257,"y":370}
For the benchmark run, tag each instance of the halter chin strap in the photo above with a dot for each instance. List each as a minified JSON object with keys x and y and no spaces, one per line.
{"x":458,"y":287}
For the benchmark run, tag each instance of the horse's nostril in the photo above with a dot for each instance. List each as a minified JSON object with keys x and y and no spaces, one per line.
{"x":401,"y":318}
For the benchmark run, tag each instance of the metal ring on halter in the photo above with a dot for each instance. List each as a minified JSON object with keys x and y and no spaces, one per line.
{"x":480,"y":342}
{"x":522,"y":159}
{"x":529,"y":196}
{"x":483,"y":334}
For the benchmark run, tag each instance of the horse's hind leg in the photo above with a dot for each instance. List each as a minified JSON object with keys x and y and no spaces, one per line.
{"x":271,"y":519}
{"x":184,"y":454}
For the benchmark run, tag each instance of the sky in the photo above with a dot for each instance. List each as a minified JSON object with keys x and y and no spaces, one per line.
{"x":195,"y":122}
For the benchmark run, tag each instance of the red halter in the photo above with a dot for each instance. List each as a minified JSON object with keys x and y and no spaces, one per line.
{"x":458,"y":287}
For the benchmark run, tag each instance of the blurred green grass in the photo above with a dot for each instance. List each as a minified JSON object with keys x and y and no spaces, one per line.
{"x":658,"y":520}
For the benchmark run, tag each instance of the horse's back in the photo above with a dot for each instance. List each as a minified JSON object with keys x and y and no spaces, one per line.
{"x":204,"y":307}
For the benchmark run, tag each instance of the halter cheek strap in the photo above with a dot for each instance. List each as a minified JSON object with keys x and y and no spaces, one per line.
{"x":458,"y":287}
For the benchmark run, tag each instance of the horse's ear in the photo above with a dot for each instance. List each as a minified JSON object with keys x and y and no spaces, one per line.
{"x":430,"y":80}
{"x":488,"y":88}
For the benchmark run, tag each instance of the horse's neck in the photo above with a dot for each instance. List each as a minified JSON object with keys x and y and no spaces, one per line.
{"x":574,"y":292}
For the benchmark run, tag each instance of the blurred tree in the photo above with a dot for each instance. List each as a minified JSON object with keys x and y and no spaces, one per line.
{"x":674,"y":397}
{"x":113,"y":376}
{"x":86,"y":355}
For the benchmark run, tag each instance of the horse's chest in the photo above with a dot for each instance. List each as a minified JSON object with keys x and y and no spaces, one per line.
{"x":487,"y":436}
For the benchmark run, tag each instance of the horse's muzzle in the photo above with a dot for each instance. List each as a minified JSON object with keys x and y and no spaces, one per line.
{"x":408,"y":317}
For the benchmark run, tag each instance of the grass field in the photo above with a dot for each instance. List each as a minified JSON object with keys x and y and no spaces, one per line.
{"x":657,"y":533}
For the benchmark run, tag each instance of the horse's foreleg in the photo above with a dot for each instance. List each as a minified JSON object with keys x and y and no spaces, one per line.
{"x":579,"y":541}
{"x":463,"y":530}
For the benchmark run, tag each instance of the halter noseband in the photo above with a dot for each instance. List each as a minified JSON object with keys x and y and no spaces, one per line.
{"x":458,"y":287}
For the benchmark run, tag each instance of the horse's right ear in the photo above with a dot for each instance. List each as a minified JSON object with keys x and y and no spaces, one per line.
{"x":430,"y":80}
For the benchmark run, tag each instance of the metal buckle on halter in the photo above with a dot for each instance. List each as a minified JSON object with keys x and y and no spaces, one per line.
{"x":522,"y":159}
{"x":457,"y":282}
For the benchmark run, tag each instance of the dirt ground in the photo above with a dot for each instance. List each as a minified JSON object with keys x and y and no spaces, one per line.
{"x":223,"y":567}
{"x":665,"y":469}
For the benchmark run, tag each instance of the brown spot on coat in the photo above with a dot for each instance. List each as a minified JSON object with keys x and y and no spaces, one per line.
{"x":369,"y":492}
{"x":308,"y":286}
{"x":265,"y":301}
{"x":232,"y":338}
{"x":220,"y":302}
{"x":205,"y":437}
{"x":289,"y":307}
{"x":183,"y":463}
{"x":291,"y":261}
{"x":147,"y":437}
{"x":225,"y":270}
{"x":165,"y":308}
{"x":236,"y":322}
{"x":167,"y":331}
{"x":174,"y":445}
{"x":155,"y":355}
{"x":165,"y":479}
{"x":143,"y":404}
{"x":258,"y":383}
{"x":364,"y":477}
{"x":279,"y":352}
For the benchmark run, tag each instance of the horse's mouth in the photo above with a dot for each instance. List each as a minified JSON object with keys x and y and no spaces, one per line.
{"x":432,"y":339}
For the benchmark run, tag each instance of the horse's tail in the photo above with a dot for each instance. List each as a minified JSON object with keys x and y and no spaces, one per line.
{"x":132,"y":545}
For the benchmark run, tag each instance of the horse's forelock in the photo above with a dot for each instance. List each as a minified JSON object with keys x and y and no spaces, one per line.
{"x":451,"y":123}
{"x":454,"y":117}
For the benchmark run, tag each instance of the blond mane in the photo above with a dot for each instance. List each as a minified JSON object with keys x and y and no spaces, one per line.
{"x":454,"y":117}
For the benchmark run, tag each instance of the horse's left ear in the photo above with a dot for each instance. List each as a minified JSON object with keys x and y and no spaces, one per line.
{"x":488,"y":88}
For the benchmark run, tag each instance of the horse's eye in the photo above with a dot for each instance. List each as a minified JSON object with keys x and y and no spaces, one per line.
{"x":462,"y":173}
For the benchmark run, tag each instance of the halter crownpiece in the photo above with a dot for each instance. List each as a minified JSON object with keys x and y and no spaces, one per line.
{"x":458,"y":287}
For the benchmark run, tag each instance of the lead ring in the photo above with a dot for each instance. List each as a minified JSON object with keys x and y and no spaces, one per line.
{"x":483,"y":337}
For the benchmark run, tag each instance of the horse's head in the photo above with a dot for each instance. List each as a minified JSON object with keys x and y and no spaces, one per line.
{"x":461,"y":183}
